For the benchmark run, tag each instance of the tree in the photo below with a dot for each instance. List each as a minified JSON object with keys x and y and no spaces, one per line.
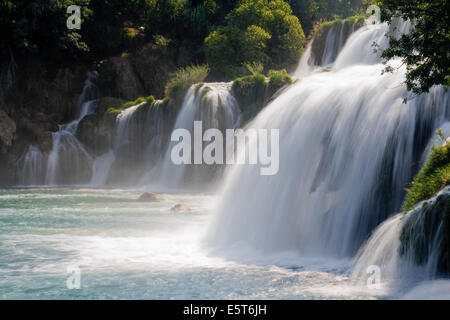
{"x":258,"y":31}
{"x":426,"y":49}
{"x":34,"y":26}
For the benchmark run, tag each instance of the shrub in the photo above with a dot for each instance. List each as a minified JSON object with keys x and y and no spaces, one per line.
{"x":278,"y":78}
{"x":434,"y":176}
{"x":182,"y":79}
{"x":260,"y":31}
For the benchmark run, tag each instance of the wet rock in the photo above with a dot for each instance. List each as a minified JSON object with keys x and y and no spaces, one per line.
{"x":108,"y":102}
{"x":150,"y":197}
{"x":7,"y":131}
{"x":425,"y":235}
{"x":179,"y":207}
{"x":119,"y":78}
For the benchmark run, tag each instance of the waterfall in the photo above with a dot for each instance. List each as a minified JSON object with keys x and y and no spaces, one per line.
{"x":31,"y":166}
{"x":215,"y":106}
{"x":101,"y":167}
{"x":348,"y":146}
{"x":326,"y":45}
{"x":402,"y":248}
{"x":68,"y":161}
{"x":141,"y":134}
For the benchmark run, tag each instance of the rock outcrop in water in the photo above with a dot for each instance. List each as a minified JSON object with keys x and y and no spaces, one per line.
{"x":425,"y":235}
{"x":150,"y":197}
{"x":330,"y":38}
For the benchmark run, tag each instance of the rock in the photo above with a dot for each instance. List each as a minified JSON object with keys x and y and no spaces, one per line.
{"x":118,"y":78}
{"x":179,"y":207}
{"x":425,"y":235}
{"x":108,"y":102}
{"x":150,"y":197}
{"x":7,"y":131}
{"x":96,"y":133}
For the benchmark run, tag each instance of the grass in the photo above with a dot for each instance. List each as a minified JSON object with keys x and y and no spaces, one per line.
{"x":150,"y":99}
{"x":434,"y":176}
{"x":183,"y":78}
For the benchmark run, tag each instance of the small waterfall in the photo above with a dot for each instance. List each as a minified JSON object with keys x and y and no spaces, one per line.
{"x":215,"y":106}
{"x":403,"y":249}
{"x":141,"y":134}
{"x":325,"y":47}
{"x":68,"y":161}
{"x":333,"y":44}
{"x":31,"y":166}
{"x":348,"y":146}
{"x":101,"y":167}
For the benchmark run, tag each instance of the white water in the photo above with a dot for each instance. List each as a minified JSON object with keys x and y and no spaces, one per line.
{"x":31,"y":166}
{"x":348,"y":145}
{"x":383,"y":249}
{"x":347,"y":148}
{"x":217,"y":108}
{"x":100,"y":168}
{"x":68,"y":157}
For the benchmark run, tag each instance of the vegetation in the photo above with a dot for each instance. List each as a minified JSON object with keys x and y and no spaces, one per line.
{"x":225,"y":33}
{"x":182,"y":79}
{"x":115,"y":111}
{"x":258,"y":31}
{"x":434,"y":176}
{"x":252,"y":91}
{"x":425,"y":50}
{"x":278,"y":78}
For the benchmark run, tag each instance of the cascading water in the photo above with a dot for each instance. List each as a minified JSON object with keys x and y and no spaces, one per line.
{"x":348,"y":146}
{"x":213,"y":105}
{"x":403,"y":249}
{"x":141,"y":134}
{"x":31,"y":166}
{"x":325,"y":47}
{"x":68,"y":161}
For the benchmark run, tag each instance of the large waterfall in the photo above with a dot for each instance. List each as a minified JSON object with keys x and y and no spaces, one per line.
{"x":348,"y":147}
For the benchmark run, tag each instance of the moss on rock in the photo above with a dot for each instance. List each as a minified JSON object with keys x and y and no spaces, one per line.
{"x":434,"y":176}
{"x":254,"y":91}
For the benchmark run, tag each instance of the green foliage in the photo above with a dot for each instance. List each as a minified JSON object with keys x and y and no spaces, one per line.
{"x":278,"y":78}
{"x":252,"y":91}
{"x":29,"y":27}
{"x":249,"y":92}
{"x":425,"y":50}
{"x":183,"y":78}
{"x":311,"y":11}
{"x":260,"y":31}
{"x":434,"y":176}
{"x":147,"y":100}
{"x":254,"y":68}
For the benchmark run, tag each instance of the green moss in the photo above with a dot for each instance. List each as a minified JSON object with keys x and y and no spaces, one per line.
{"x":197,"y":87}
{"x":249,"y":91}
{"x":114,"y":111}
{"x":206,"y":90}
{"x":434,"y":176}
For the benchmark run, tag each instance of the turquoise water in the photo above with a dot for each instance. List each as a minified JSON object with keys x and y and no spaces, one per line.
{"x":126,"y":249}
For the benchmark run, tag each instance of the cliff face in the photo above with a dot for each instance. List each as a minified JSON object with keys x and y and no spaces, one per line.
{"x":36,"y":96}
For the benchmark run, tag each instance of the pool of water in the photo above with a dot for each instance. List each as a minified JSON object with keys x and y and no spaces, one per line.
{"x":120,"y":248}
